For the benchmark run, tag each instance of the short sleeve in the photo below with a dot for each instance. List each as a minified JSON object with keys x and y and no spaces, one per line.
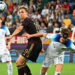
{"x":7,"y":31}
{"x":52,"y":36}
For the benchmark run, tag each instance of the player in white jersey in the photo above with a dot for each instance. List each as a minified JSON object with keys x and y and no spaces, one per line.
{"x":4,"y":52}
{"x":55,"y":50}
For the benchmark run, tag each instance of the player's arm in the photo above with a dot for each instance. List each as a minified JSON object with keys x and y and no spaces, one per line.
{"x":49,"y":36}
{"x":35,"y":35}
{"x":16,"y":32}
{"x":73,"y":47}
{"x":8,"y":43}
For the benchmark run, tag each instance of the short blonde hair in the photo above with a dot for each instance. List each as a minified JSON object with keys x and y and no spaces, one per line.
{"x":23,"y":7}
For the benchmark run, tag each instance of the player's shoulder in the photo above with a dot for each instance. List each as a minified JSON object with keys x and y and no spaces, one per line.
{"x":57,"y":34}
{"x":69,"y":40}
{"x":27,"y":19}
{"x":4,"y":27}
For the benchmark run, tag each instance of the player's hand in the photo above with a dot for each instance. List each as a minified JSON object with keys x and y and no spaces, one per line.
{"x":44,"y":34}
{"x":9,"y":37}
{"x":42,"y":51}
{"x":8,"y":46}
{"x":28,"y":36}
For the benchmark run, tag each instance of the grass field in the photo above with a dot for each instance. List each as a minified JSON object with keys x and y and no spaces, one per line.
{"x":68,"y":69}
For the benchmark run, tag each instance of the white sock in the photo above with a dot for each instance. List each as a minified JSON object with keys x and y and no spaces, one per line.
{"x":56,"y":73}
{"x":9,"y":68}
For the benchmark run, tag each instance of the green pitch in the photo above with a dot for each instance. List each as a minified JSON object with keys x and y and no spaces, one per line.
{"x":68,"y":69}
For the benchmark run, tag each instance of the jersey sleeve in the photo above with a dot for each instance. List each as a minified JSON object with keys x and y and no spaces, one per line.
{"x":7,"y":31}
{"x":73,"y":46}
{"x":52,"y":36}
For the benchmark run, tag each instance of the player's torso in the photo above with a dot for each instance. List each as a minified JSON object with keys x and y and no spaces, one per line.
{"x":57,"y":45}
{"x":54,"y":49}
{"x":2,"y":38}
{"x":30,"y":28}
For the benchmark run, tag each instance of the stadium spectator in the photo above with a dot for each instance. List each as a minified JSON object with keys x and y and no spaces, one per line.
{"x":56,"y":28}
{"x":45,"y":21}
{"x":52,"y":10}
{"x":67,"y":21}
{"x":50,"y":23}
{"x":58,"y":4}
{"x":8,"y":22}
{"x":73,"y":7}
{"x":72,"y":27}
{"x":11,"y":7}
{"x":36,"y":15}
{"x":73,"y":20}
{"x":62,"y":26}
{"x":56,"y":21}
{"x":66,"y":7}
{"x":42,"y":28}
{"x":32,"y":5}
{"x":15,"y":16}
{"x":31,"y":13}
{"x":60,"y":16}
{"x":13,"y":28}
{"x":73,"y":11}
{"x":17,"y":22}
{"x":50,"y":16}
{"x":45,"y":11}
{"x":15,"y":8}
{"x":9,"y":15}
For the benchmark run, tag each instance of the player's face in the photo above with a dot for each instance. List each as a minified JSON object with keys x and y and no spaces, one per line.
{"x":22,"y":13}
{"x":62,"y":40}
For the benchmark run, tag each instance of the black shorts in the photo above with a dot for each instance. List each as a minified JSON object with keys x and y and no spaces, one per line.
{"x":32,"y":51}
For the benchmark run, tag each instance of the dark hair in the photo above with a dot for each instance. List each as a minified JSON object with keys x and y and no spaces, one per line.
{"x":65,"y":33}
{"x":65,"y":30}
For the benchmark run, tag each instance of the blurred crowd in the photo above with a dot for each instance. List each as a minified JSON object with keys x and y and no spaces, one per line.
{"x":48,"y":15}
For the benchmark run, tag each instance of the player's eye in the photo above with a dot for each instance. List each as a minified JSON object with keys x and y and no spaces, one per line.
{"x":21,"y":12}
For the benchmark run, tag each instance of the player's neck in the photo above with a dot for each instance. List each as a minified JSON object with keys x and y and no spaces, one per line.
{"x":26,"y":16}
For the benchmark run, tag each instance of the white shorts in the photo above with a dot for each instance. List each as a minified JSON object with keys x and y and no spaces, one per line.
{"x":59,"y":59}
{"x":47,"y":62}
{"x":5,"y":55}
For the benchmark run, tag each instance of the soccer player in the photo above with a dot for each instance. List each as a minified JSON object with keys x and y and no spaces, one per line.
{"x":34,"y":44}
{"x":4,"y":50}
{"x":55,"y":50}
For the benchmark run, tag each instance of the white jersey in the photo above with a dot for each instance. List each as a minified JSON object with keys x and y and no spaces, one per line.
{"x":55,"y":51}
{"x":3,"y":31}
{"x":56,"y":48}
